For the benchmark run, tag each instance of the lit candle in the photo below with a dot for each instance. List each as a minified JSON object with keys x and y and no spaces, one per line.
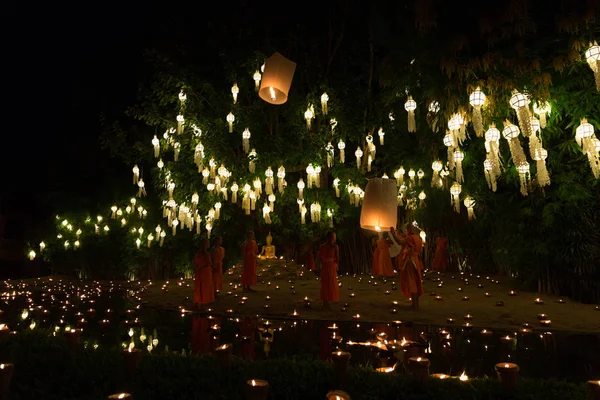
{"x":465,"y":298}
{"x":539,"y":301}
{"x":594,"y":387}
{"x":468,"y":317}
{"x":393,"y":311}
{"x":419,"y":367}
{"x":508,"y":374}
{"x":512,"y":293}
{"x":124,"y":396}
{"x":257,"y":389}
{"x":440,"y":376}
{"x":546,"y":322}
{"x":438,"y":298}
{"x":463,"y":377}
{"x":337,"y":395}
{"x":224,"y":355}
{"x":486,"y":333}
{"x":340,"y":360}
{"x":357,"y":316}
{"x":450,"y":320}
{"x":487,"y":294}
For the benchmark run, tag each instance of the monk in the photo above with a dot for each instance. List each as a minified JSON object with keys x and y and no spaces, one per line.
{"x":203,"y":281}
{"x":411,"y":280}
{"x":249,"y":252}
{"x":375,"y":268}
{"x":329,"y":255}
{"x":217,"y":254}
{"x":382,"y":262}
{"x":440,"y":259}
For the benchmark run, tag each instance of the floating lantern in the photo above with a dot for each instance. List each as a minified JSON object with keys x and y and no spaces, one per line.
{"x":276,"y":79}
{"x":379,"y":209}
{"x":508,"y":374}
{"x":592,"y":56}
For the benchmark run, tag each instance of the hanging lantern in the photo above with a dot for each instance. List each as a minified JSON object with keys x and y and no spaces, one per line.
{"x":199,"y":156}
{"x":180,"y":121}
{"x":300,"y":185}
{"x":381,"y":136}
{"x":358,"y":153}
{"x":141,"y":188}
{"x":315,"y":212}
{"x":208,"y":226}
{"x":477,"y":100}
{"x":411,"y":175}
{"x":450,"y":143}
{"x":420,"y":175}
{"x":230,"y":119}
{"x":336,"y":185}
{"x":333,"y":122}
{"x":310,"y":175}
{"x":379,"y":209}
{"x":309,"y":114}
{"x":511,"y":134}
{"x":534,"y":140}
{"x":455,"y":193}
{"x":542,"y":110}
{"x":234,"y":190}
{"x":436,"y":166}
{"x":490,"y":177}
{"x":330,"y":216}
{"x":410,"y":106}
{"x":523,"y":169}
{"x":469,"y":202}
{"x":281,"y":183}
{"x":324,"y":100}
{"x":251,"y":161}
{"x":257,"y":78}
{"x":246,"y":140}
{"x":217,"y":210}
{"x":303,"y":214}
{"x":234,"y":91}
{"x":432,"y":117}
{"x":266,"y":210}
{"x":174,"y":226}
{"x":342,"y":147}
{"x":182,"y":98}
{"x":459,"y":156}
{"x":586,"y":139}
{"x":176,"y":150}
{"x":170,"y":188}
{"x":269,"y":181}
{"x":156,"y":145}
{"x":330,"y":151}
{"x":257,"y":187}
{"x":160,"y":164}
{"x":520,"y":103}
{"x":272,"y":199}
{"x":422,"y":197}
{"x":317,"y":178}
{"x":136,"y":174}
{"x":592,"y":56}
{"x":492,"y":143}
{"x":542,"y":175}
{"x":399,"y":175}
{"x":277,"y":79}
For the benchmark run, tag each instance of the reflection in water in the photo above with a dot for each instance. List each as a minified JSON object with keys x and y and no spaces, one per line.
{"x":109,"y":320}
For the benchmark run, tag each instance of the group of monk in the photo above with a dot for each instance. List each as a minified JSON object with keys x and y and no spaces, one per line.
{"x":209,"y":271}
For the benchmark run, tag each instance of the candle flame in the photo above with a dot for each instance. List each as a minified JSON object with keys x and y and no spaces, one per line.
{"x":419,"y":359}
{"x":506,"y":365}
{"x":403,"y":343}
{"x":121,"y":396}
{"x":463,"y":377}
{"x":272,"y":92}
{"x":1,"y":366}
{"x":253,"y":382}
{"x":339,"y":353}
{"x":443,"y":376}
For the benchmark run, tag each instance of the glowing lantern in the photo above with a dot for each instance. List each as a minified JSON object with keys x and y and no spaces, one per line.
{"x":523,"y":169}
{"x":542,"y":110}
{"x":399,"y":175}
{"x":113,"y":210}
{"x":341,"y":147}
{"x":257,"y":77}
{"x":410,"y":106}
{"x":42,"y":246}
{"x":459,"y":156}
{"x":156,"y":145}
{"x":251,"y":161}
{"x":330,"y":215}
{"x":422,"y":197}
{"x":300,"y":185}
{"x":411,"y":175}
{"x":540,"y":156}
{"x":436,"y":166}
{"x":246,"y":140}
{"x":176,"y":151}
{"x":136,"y":174}
{"x":281,"y":179}
{"x":330,"y":151}
{"x":269,"y":181}
{"x":315,"y":212}
{"x":336,"y":185}
{"x":379,"y":209}
{"x":455,"y":193}
{"x":490,"y":176}
{"x":218,"y":210}
{"x":309,"y":114}
{"x":303,"y":214}
{"x":208,"y":227}
{"x":266,"y":211}
{"x":141,"y":188}
{"x":160,"y":164}
{"x":420,"y":175}
{"x":592,"y":56}
{"x":477,"y":100}
{"x":182,"y":98}
{"x":381,"y":136}
{"x":469,"y":202}
{"x":324,"y":100}
{"x":511,"y":134}
{"x":358,"y":153}
{"x":450,"y":143}
{"x":277,"y":79}
{"x":585,"y":137}
{"x":272,"y":199}
{"x":31,"y":257}
{"x":180,"y":122}
{"x":234,"y":190}
{"x":230,"y":119}
{"x":519,"y":102}
{"x":234,"y":91}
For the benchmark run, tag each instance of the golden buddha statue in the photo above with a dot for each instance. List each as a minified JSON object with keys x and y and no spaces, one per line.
{"x":268,"y":250}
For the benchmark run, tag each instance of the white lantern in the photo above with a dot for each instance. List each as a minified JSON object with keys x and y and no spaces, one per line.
{"x":230,"y":119}
{"x":459,"y":156}
{"x":379,"y":209}
{"x":542,"y":109}
{"x":156,"y":145}
{"x":469,"y":202}
{"x":410,"y":106}
{"x":477,"y":100}
{"x":520,"y":103}
{"x":246,"y":140}
{"x":136,"y":174}
{"x":592,"y":56}
{"x":277,"y":79}
{"x":234,"y":91}
{"x":324,"y":100}
{"x":358,"y":153}
{"x":342,"y":147}
{"x":455,"y":191}
{"x":523,"y":169}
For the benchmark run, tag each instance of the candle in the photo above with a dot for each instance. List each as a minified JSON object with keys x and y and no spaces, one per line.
{"x":468,"y":317}
{"x":465,"y":298}
{"x":508,"y":374}
{"x":132,"y":358}
{"x":438,"y":298}
{"x":338,"y":395}
{"x":341,"y":361}
{"x":506,"y":339}
{"x":224,"y":355}
{"x":539,"y":301}
{"x":499,"y":303}
{"x":124,"y":396}
{"x":6,"y":372}
{"x":267,"y":298}
{"x":546,"y":322}
{"x":386,"y":370}
{"x":594,"y":387}
{"x":459,"y":289}
{"x":352,"y":294}
{"x":393,"y":311}
{"x":357,"y":316}
{"x":333,"y":327}
{"x":512,"y":293}
{"x":440,"y":376}
{"x":467,"y":326}
{"x":419,"y":367}
{"x":488,"y":294}
{"x":463,"y":377}
{"x":450,"y":320}
{"x":486,"y":333}
{"x":257,"y":389}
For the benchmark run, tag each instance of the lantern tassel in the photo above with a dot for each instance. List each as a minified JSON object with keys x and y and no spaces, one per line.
{"x":451,"y":157}
{"x":524,"y":117}
{"x":342,"y":156}
{"x":477,"y":121}
{"x":412,"y":123}
{"x":523,"y":182}
{"x":542,"y":173}
{"x":542,"y":116}
{"x":471,"y":213}
{"x":457,"y":204}
{"x":459,"y":172}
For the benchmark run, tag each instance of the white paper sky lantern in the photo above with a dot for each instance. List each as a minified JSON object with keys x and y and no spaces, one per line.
{"x":380,"y":205}
{"x":277,"y":79}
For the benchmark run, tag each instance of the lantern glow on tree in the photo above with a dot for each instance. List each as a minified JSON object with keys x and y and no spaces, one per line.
{"x":379,"y":209}
{"x":276,"y":79}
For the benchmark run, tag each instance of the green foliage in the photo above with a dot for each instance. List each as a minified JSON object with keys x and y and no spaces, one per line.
{"x":95,"y":374}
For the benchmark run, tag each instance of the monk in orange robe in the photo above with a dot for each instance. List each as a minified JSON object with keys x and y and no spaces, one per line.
{"x":411,"y":280}
{"x":382,"y":262}
{"x":375,"y":268}
{"x":203,"y":281}
{"x":217,"y":254}
{"x":249,"y":252}
{"x":440,"y":259}
{"x":329,"y":255}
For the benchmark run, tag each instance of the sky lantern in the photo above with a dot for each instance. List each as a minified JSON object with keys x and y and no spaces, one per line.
{"x":277,"y":79}
{"x":380,"y":206}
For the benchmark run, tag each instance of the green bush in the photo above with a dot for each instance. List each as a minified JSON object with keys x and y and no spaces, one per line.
{"x":45,"y":368}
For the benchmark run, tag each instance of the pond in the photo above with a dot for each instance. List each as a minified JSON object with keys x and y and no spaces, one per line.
{"x":109,"y":317}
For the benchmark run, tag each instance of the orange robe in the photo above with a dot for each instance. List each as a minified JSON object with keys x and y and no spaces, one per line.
{"x":411,"y":280}
{"x":249,"y":271}
{"x":440,"y":259}
{"x":381,"y":258}
{"x":329,"y":285}
{"x":204,"y":292}
{"x":217,"y":254}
